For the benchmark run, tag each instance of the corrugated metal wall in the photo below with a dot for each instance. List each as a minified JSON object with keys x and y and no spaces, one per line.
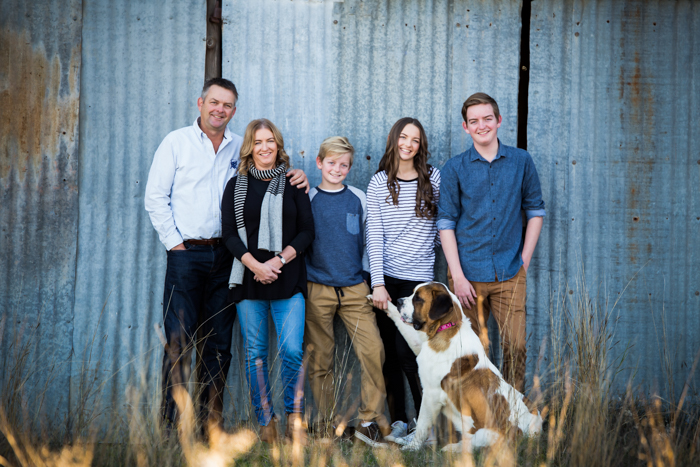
{"x":39,"y":97}
{"x":613,"y":127}
{"x":353,"y":68}
{"x":143,"y":67}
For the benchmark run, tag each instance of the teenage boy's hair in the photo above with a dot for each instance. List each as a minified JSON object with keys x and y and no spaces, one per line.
{"x":336,"y":146}
{"x":477,"y":99}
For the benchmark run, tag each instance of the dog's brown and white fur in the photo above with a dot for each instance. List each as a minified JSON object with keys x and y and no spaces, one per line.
{"x":458,"y":378}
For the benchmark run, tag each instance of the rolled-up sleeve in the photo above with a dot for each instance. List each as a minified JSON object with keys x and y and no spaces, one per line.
{"x":448,"y":206}
{"x":533,"y":204}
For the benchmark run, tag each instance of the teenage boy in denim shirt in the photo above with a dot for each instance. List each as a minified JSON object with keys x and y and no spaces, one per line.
{"x":483,"y":192}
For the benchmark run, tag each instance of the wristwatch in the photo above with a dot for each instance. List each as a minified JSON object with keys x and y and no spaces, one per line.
{"x":284,"y":261}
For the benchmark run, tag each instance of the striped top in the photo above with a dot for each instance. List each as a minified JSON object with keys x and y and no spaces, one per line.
{"x":399,"y":244}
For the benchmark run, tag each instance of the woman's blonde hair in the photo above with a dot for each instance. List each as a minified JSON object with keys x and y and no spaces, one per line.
{"x":249,"y":144}
{"x":336,"y":146}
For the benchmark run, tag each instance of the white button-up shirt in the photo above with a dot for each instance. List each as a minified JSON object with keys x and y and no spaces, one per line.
{"x":186,"y":184}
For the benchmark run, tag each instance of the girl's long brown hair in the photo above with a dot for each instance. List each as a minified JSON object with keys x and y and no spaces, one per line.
{"x":425,"y":201}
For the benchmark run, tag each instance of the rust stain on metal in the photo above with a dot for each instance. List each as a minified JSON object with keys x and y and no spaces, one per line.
{"x":34,"y":118}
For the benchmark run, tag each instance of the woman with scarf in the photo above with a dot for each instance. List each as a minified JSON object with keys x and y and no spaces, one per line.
{"x":267,"y":224}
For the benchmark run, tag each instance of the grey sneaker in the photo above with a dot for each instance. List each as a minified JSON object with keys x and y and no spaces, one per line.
{"x":404,"y":440}
{"x":408,"y":439}
{"x":371,"y":435}
{"x":398,"y":429}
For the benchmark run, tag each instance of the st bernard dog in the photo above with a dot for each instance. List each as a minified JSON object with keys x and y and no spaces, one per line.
{"x":458,"y":378}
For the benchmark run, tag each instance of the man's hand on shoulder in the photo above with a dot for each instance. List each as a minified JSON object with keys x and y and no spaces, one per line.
{"x":298,"y":179}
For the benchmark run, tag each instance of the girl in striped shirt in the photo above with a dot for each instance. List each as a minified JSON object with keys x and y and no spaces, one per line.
{"x":402,"y":202}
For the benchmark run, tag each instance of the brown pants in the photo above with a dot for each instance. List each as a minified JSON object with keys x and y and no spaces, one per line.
{"x":356,"y":312}
{"x":506,"y":300}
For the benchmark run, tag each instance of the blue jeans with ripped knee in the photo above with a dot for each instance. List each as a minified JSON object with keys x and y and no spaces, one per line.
{"x":288,"y":317}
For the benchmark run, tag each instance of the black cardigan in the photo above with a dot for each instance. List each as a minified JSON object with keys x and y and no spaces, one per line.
{"x":297,"y":232}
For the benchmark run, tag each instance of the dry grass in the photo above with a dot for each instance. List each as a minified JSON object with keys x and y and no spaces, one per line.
{"x":586,"y":423}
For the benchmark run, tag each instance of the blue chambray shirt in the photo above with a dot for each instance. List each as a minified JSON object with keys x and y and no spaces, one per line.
{"x":482,"y":203}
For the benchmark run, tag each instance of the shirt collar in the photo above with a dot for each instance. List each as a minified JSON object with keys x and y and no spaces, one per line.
{"x":202,"y":135}
{"x":474,"y":155}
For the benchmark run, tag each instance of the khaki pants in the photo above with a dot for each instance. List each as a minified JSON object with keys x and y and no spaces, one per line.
{"x":356,"y":312}
{"x":506,"y":300}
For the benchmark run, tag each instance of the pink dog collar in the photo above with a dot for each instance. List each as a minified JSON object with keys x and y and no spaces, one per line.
{"x":445,"y":326}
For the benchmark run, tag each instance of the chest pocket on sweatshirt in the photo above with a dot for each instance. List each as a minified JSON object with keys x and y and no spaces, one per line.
{"x":353,"y":223}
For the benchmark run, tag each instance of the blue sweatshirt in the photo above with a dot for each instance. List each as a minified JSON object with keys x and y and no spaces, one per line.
{"x":337,"y":257}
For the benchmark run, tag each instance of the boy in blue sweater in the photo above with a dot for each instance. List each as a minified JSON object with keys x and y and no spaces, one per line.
{"x":336,"y":266}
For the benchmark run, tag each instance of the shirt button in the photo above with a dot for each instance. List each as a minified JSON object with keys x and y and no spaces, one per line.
{"x":494,"y":200}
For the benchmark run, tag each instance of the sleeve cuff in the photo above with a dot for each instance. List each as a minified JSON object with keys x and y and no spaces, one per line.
{"x":533,"y":213}
{"x":446,"y":224}
{"x":171,"y":241}
{"x":379,"y":279}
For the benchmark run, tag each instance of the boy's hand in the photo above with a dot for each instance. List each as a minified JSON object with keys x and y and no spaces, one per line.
{"x":298,"y":179}
{"x":465,"y":291}
{"x":380,"y":297}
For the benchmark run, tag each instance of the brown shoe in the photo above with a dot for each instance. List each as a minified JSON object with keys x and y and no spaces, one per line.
{"x":296,"y":429}
{"x":268,"y":433}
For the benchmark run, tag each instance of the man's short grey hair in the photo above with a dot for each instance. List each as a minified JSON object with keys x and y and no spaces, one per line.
{"x":222,"y":83}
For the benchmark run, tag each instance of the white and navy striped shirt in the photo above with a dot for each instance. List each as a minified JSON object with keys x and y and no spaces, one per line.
{"x":399,"y":243}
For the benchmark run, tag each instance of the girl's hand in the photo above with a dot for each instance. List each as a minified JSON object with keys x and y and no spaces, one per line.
{"x":380,"y":297}
{"x":265,"y":273}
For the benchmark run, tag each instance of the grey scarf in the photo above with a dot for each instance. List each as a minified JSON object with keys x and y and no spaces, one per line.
{"x":270,"y":231}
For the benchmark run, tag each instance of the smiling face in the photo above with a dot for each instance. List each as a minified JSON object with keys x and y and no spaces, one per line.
{"x":264,"y":150}
{"x":334,"y":169}
{"x":482,"y":125}
{"x":216,"y":109}
{"x":409,"y":142}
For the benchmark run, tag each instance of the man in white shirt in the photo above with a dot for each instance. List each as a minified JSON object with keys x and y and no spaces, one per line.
{"x":183,"y":198}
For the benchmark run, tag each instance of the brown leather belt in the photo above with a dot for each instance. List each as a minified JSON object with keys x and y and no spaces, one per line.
{"x":208,"y":241}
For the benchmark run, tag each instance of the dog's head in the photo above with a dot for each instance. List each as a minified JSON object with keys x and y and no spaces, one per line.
{"x":430,"y":306}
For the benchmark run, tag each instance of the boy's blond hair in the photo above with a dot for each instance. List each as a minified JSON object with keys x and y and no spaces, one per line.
{"x":336,"y":146}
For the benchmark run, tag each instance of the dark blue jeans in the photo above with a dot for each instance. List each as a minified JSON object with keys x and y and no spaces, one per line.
{"x":196,"y":288}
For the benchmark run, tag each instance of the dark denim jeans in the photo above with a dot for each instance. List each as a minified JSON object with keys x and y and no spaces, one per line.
{"x":196,"y":288}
